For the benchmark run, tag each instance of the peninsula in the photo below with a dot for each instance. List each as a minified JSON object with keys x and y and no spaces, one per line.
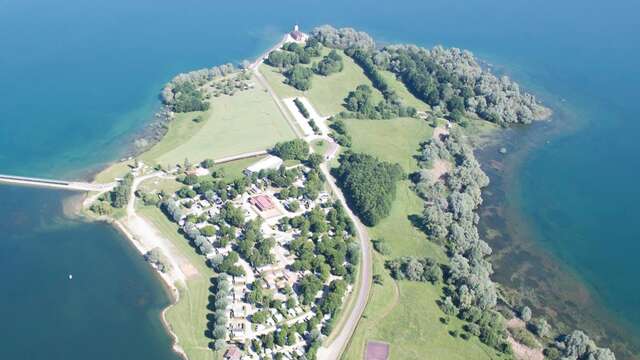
{"x":320,"y":202}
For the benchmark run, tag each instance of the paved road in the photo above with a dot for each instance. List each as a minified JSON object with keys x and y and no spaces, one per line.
{"x":334,"y":350}
{"x":55,"y":184}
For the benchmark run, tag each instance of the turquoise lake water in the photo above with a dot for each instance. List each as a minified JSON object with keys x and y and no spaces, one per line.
{"x":80,"y":77}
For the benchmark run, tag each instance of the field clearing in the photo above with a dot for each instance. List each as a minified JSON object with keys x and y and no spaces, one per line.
{"x":327,"y":93}
{"x":245,"y":122}
{"x":395,"y":140}
{"x":160,"y":184}
{"x":405,"y":314}
{"x":187,"y":318}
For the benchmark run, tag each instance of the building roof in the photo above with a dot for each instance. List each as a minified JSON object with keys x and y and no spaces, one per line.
{"x":267,"y":163}
{"x":232,"y":353}
{"x":262,"y":202}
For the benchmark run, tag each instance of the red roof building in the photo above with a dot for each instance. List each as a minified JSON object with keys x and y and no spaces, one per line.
{"x":296,"y":34}
{"x":232,"y":353}
{"x":262,"y":202}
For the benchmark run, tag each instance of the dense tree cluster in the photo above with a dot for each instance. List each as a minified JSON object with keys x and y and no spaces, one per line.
{"x":172,"y":210}
{"x":343,"y":38}
{"x":299,"y":77}
{"x":369,"y":185}
{"x":361,"y":105}
{"x":187,"y":97}
{"x":157,"y":258}
{"x":450,"y":216}
{"x":392,"y":105}
{"x":331,"y":251}
{"x":414,"y":269}
{"x":330,"y":64}
{"x":183,"y":93}
{"x":120,"y":195}
{"x":297,"y":149}
{"x":293,"y":54}
{"x":339,"y":133}
{"x":253,"y":246}
{"x":578,"y":346}
{"x":453,"y":80}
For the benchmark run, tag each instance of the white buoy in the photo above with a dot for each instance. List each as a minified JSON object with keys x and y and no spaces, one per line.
{"x":70,"y":276}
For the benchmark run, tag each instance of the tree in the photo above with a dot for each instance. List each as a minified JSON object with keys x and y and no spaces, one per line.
{"x":122,"y":193}
{"x":525,"y":313}
{"x":314,"y":160}
{"x":381,"y":246}
{"x":540,"y":327}
{"x":207,"y":163}
{"x":296,"y":149}
{"x":368,"y":184}
{"x":260,"y":317}
{"x":299,"y":77}
{"x":377,"y":279}
{"x":330,"y":64}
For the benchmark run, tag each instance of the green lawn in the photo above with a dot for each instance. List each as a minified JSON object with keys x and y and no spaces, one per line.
{"x":327,"y":93}
{"x":320,"y":146}
{"x":406,"y":317}
{"x":159,"y":184}
{"x":248,"y":121}
{"x":395,"y":140}
{"x":187,"y":318}
{"x":116,"y":170}
{"x":233,"y":169}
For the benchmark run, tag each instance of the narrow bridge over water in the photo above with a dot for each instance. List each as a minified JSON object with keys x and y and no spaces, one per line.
{"x":55,"y":184}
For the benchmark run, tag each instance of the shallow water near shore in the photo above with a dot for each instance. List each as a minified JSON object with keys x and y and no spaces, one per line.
{"x":82,"y":76}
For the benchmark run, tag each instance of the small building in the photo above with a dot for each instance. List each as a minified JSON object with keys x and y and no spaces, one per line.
{"x":269,"y":162}
{"x":262,"y":202}
{"x":232,"y":353}
{"x":296,"y":34}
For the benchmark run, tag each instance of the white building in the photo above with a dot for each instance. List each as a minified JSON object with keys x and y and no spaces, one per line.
{"x":270,"y":162}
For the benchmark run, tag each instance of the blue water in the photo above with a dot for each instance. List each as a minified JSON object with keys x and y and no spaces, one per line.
{"x":79,"y":77}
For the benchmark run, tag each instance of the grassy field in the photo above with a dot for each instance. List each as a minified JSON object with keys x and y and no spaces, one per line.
{"x":248,"y":121}
{"x":405,"y":314}
{"x":158,"y":184}
{"x":327,"y":93}
{"x":187,"y":318}
{"x":320,"y":146}
{"x":116,"y":170}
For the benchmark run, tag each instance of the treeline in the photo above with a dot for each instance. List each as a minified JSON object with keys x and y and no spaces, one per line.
{"x":449,"y":216}
{"x":368,"y":184}
{"x":303,"y":109}
{"x":217,"y":325}
{"x":184,"y":94}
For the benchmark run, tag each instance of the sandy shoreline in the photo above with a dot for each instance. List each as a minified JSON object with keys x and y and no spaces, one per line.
{"x":167,"y":281}
{"x":75,"y":207}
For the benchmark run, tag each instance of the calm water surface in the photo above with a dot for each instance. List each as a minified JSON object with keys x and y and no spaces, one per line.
{"x":80,"y":77}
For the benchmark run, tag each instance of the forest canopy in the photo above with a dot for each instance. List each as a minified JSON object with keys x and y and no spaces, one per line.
{"x":369,"y":185}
